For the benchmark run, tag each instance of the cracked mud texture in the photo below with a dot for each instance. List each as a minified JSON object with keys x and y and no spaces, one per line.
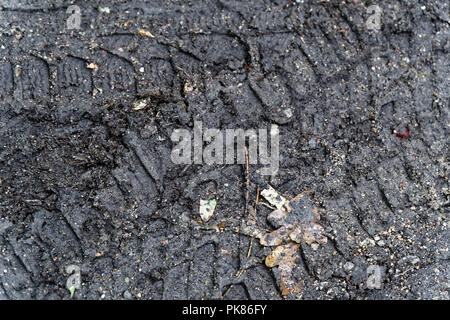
{"x":87,"y":180}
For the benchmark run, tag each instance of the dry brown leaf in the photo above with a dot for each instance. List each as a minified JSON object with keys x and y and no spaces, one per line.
{"x":286,"y":290}
{"x":284,"y":257}
{"x":297,"y":223}
{"x":296,"y":235}
{"x":249,"y":228}
{"x":275,"y":238}
{"x":313,"y":233}
{"x":277,"y":218}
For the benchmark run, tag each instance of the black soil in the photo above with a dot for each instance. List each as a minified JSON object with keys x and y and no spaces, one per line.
{"x":87,"y":180}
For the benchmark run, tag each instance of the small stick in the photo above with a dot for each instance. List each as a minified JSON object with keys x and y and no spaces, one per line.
{"x":250,"y":248}
{"x":228,"y":290}
{"x":268,"y":206}
{"x":247,"y":178}
{"x":239,"y":274}
{"x":257,"y":198}
{"x":251,"y":239}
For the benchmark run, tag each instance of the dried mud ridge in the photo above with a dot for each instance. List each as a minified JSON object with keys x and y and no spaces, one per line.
{"x":87,"y":180}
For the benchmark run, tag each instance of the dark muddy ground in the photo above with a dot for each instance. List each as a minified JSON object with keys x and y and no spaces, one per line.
{"x":87,"y":180}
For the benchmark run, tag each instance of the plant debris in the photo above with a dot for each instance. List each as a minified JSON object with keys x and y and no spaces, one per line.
{"x":273,"y":197}
{"x":146,"y":33}
{"x":295,"y":222}
{"x":298,"y":224}
{"x":140,"y":104}
{"x":284,"y":258}
{"x":207,"y":208}
{"x":92,"y":66}
{"x":72,"y":292}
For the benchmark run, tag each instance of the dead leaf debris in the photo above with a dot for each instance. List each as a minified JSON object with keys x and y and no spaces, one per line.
{"x":296,"y":221}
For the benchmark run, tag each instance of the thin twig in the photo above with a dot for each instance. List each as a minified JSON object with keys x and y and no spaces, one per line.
{"x":268,"y":206}
{"x":250,"y":248}
{"x":240,"y":272}
{"x":228,"y":290}
{"x":257,"y":198}
{"x":247,"y":178}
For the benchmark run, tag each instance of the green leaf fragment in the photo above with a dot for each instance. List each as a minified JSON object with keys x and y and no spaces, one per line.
{"x":72,"y":291}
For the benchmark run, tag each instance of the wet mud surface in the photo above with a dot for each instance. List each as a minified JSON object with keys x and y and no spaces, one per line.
{"x":86,"y":177}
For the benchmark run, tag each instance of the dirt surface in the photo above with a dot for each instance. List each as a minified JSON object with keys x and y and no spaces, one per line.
{"x":87,"y":180}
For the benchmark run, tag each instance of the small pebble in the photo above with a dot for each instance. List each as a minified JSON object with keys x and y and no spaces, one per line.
{"x":127,"y":295}
{"x":348,"y":266}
